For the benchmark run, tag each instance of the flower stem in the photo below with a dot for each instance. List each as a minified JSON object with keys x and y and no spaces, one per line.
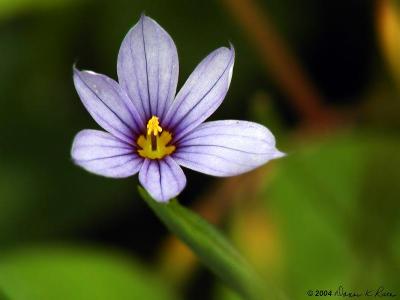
{"x":212,"y":249}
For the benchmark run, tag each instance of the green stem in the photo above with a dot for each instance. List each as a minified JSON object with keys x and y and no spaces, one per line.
{"x":211,"y":247}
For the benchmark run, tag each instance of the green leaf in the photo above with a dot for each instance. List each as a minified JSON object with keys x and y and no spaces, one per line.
{"x":76,"y":274}
{"x":335,"y":204}
{"x":211,"y":247}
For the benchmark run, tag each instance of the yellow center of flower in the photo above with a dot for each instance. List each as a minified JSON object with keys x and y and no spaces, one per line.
{"x":155,"y":144}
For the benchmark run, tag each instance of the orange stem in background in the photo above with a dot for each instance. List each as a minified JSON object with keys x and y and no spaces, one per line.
{"x":280,"y":62}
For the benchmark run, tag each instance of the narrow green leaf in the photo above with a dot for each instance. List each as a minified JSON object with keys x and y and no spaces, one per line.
{"x":211,"y":247}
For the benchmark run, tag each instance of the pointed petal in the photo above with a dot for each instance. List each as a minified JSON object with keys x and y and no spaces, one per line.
{"x":101,"y":153}
{"x":226,"y":148}
{"x":202,"y":93}
{"x":163,"y":179}
{"x":108,"y":104}
{"x":148,"y":67}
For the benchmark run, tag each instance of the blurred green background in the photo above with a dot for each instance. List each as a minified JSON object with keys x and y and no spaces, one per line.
{"x":324,"y":76}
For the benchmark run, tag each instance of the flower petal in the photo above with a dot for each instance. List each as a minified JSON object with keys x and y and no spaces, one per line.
{"x":226,"y":148}
{"x":163,"y":179}
{"x":108,"y":104}
{"x":202,"y":93}
{"x":101,"y":153}
{"x":148,"y":67}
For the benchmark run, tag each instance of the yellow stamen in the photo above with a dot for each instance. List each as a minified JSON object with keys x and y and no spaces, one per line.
{"x":153,"y":126}
{"x":155,"y":145}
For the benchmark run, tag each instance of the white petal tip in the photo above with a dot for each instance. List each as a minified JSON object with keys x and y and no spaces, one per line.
{"x":278,"y":154}
{"x":159,"y":198}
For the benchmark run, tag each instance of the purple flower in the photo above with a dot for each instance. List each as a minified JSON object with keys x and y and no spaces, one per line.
{"x":151,"y":130}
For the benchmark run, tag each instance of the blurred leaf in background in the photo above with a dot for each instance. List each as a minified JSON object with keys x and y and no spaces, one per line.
{"x":74,"y":273}
{"x":9,"y":8}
